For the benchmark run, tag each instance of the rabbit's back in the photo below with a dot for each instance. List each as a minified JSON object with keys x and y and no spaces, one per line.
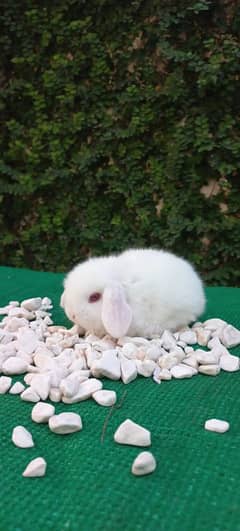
{"x":163,"y":289}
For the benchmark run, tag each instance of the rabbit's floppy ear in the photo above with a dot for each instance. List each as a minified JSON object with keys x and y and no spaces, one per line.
{"x":62,"y":300}
{"x":116,"y":312}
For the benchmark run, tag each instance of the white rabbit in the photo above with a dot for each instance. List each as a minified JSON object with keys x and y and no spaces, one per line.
{"x":139,"y":292}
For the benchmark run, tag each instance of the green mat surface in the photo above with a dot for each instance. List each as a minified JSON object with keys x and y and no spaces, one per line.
{"x":88,"y":485}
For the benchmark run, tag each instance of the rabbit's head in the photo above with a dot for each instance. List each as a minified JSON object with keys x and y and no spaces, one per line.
{"x":95,"y":300}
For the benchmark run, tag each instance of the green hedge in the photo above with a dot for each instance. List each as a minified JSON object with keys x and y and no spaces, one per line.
{"x":120,"y":128}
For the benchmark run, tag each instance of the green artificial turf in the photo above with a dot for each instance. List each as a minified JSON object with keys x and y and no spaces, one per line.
{"x":88,"y":485}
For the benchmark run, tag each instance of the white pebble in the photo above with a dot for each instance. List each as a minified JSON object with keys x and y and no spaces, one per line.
{"x":230,"y":336}
{"x":165,"y":374}
{"x":131,"y":433}
{"x":189,"y":336}
{"x":145,"y":463}
{"x":153,"y":353}
{"x":55,"y":394}
{"x":129,"y":350}
{"x":36,"y":468}
{"x":182,"y":371}
{"x":105,"y":397}
{"x":167,"y":361}
{"x":217,"y":425}
{"x":128,"y":370}
{"x":156,"y":375}
{"x":32,"y":304}
{"x":15,"y":323}
{"x":46,"y":303}
{"x":167,"y":340}
{"x":22,"y":437}
{"x":188,"y":350}
{"x":182,"y":344}
{"x":29,"y":395}
{"x":5,"y":384}
{"x":65,"y":423}
{"x":85,"y":391}
{"x":205,"y":358}
{"x":40,"y":383}
{"x":210,"y":370}
{"x":229,"y":363}
{"x":69,"y":386}
{"x":27,"y":340}
{"x":213,"y":324}
{"x":28,"y":378}
{"x":108,"y":365}
{"x":17,"y":388}
{"x":191,"y":361}
{"x":42,"y":412}
{"x":14,"y":365}
{"x":203,"y":336}
{"x":145,"y":367}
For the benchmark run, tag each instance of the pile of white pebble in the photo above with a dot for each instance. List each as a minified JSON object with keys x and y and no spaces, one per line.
{"x":60,"y":365}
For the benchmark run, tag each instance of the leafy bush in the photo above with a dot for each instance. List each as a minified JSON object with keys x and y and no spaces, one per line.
{"x":120,"y":128}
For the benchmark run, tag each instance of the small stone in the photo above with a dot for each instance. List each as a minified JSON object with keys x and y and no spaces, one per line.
{"x":189,"y":337}
{"x":108,"y":365}
{"x":55,"y":394}
{"x":65,"y":423}
{"x":44,"y":361}
{"x":215,"y":342}
{"x":85,"y":391}
{"x":188,"y":350}
{"x":5,"y":384}
{"x":167,"y":361}
{"x":229,"y":363}
{"x":14,"y":303}
{"x":213,"y":324}
{"x":17,"y":388}
{"x":69,"y":386}
{"x":130,"y":350}
{"x":32,"y":304}
{"x":220,"y":426}
{"x":29,"y":395}
{"x":105,"y":397}
{"x":28,"y":378}
{"x":156,"y":375}
{"x":145,"y":367}
{"x":21,"y":312}
{"x":165,"y":374}
{"x":42,"y":412}
{"x":182,"y":344}
{"x":128,"y":370}
{"x":145,"y":463}
{"x":131,"y":433}
{"x":15,"y":323}
{"x":153,"y":353}
{"x":191,"y":361}
{"x":183,"y":371}
{"x":36,"y":468}
{"x":46,"y":303}
{"x":40,"y":383}
{"x":27,"y":340}
{"x":167,"y":340}
{"x":230,"y":336}
{"x":4,"y":310}
{"x":14,"y":365}
{"x":22,"y":437}
{"x":210,"y":370}
{"x":203,"y":336}
{"x":205,"y":358}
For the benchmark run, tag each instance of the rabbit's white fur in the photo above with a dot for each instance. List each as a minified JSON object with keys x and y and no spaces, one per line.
{"x":144,"y":291}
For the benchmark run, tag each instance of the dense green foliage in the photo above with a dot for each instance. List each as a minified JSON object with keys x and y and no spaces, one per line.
{"x":120,"y":127}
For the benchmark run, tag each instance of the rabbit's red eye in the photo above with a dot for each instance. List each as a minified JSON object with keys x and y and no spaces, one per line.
{"x":94,"y":297}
